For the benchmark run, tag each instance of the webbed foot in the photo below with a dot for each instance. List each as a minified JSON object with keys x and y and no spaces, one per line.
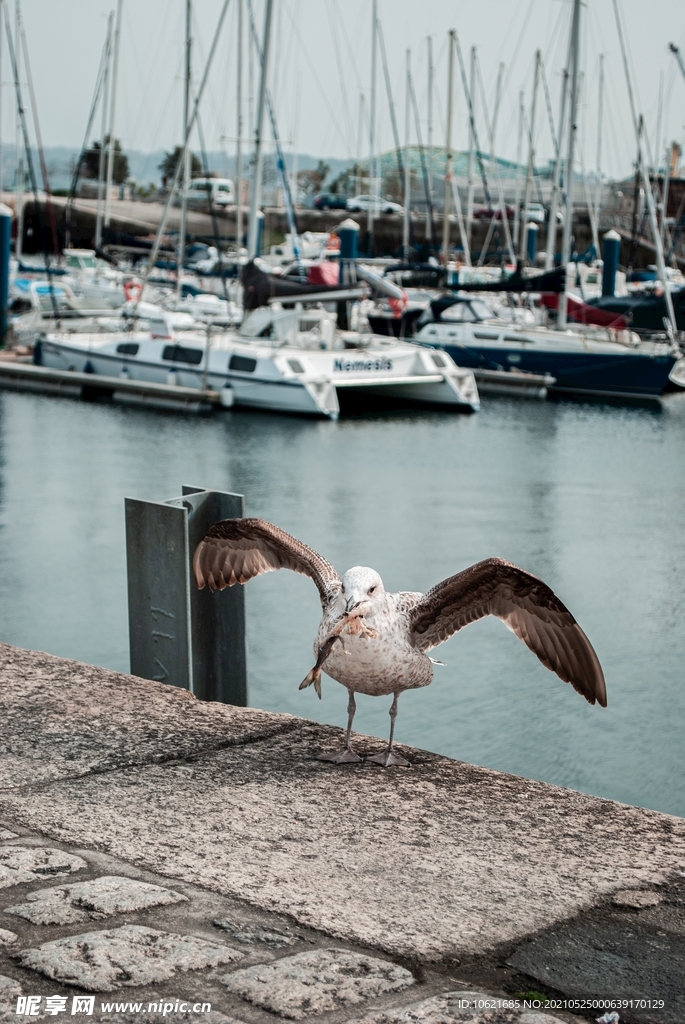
{"x":388,"y":758}
{"x":344,"y":756}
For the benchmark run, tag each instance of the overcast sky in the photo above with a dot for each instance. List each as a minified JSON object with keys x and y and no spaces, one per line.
{"x":320,"y":64}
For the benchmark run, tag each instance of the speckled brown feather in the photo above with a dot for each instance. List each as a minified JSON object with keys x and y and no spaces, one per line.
{"x":526,"y":605}
{"x":236,"y":550}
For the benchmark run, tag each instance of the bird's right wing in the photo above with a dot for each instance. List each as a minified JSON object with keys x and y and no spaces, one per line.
{"x":235,"y":550}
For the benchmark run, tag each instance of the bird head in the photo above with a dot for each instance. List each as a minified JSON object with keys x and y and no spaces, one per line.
{"x":361,"y":588}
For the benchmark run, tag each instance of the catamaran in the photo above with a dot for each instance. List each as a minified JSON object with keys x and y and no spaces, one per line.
{"x":283,"y":360}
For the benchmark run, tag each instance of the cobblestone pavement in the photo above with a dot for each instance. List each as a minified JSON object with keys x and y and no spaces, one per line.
{"x":151,"y":953}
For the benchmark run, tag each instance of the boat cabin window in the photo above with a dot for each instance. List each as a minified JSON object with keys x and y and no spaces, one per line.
{"x":438,"y":359}
{"x":296,"y":366}
{"x":242,"y":363}
{"x":481,"y":310}
{"x":182,"y":354}
{"x":128,"y":348}
{"x":309,"y":324}
{"x":460,"y":313}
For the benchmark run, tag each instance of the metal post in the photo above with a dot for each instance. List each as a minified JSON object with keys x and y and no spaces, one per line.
{"x":178,"y":634}
{"x":531,"y":242}
{"x":611,"y":250}
{"x":255,"y":193}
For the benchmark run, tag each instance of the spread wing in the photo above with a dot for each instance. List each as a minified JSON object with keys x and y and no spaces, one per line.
{"x":526,"y":605}
{"x":235,"y":550}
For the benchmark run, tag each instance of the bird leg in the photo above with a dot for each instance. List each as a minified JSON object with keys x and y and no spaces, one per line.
{"x":347,"y":754}
{"x":388,"y":758}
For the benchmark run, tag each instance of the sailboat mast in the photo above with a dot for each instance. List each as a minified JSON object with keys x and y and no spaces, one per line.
{"x":372,"y":126}
{"x":360,"y":134}
{"x":531,"y":159}
{"x":101,"y":165}
{"x":600,"y":117}
{"x":185,"y":156}
{"x":112,"y":111}
{"x":239,"y":133}
{"x":429,"y":210}
{"x":472,"y":142}
{"x":2,"y":2}
{"x":255,"y":191}
{"x":407,"y":170}
{"x":517,"y":188}
{"x":448,"y":153}
{"x":572,"y":131}
{"x":642,"y":166}
{"x":19,"y":146}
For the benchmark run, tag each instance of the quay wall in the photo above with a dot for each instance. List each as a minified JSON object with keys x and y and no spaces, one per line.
{"x":452,"y":870}
{"x":136,"y":220}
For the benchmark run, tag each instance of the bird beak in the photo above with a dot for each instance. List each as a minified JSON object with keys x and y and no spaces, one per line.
{"x":351,"y":604}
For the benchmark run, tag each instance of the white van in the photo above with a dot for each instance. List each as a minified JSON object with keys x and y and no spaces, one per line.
{"x":220,"y":189}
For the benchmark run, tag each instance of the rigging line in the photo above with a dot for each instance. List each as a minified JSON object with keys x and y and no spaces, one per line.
{"x":66,"y":220}
{"x":39,"y":140}
{"x":472,"y":121}
{"x":536,"y":172}
{"x":422,"y":153}
{"x":280,"y":161}
{"x":29,"y":159}
{"x":517,"y":48}
{"x":494,"y":227}
{"x":283,"y":66}
{"x":350,"y":52}
{"x":144,"y":89}
{"x":330,"y":14}
{"x":212,"y":207}
{"x":391,"y":104}
{"x":152,"y":259}
{"x":550,"y":116}
{"x":331,"y":109}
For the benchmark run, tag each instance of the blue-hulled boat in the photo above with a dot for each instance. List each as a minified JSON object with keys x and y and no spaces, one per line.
{"x":593,"y":361}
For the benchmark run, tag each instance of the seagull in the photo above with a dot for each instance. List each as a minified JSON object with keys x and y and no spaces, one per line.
{"x":375,"y":642}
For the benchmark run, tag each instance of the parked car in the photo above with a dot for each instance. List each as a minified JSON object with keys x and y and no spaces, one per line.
{"x":330,"y":201}
{"x":362,"y":203}
{"x":220,"y":189}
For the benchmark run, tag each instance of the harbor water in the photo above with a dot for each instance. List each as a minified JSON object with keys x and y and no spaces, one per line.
{"x":587,"y":496}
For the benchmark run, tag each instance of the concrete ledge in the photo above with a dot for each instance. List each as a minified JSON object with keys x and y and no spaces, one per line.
{"x":436,"y":865}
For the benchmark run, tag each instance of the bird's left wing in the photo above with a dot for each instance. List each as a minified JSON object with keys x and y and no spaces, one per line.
{"x":526,"y":605}
{"x":235,"y":550}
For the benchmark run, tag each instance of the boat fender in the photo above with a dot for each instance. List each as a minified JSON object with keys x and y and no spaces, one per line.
{"x":398,"y":306}
{"x":38,"y":352}
{"x":89,"y":368}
